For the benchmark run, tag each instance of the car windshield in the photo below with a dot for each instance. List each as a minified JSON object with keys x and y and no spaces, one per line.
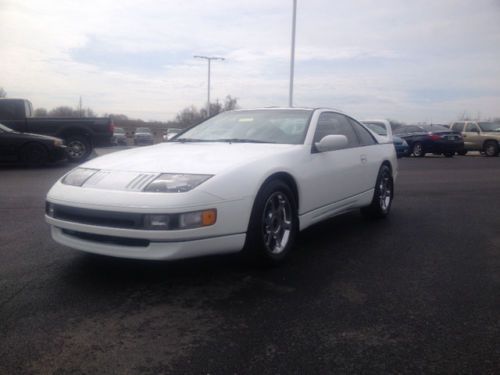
{"x":119,"y":131}
{"x":376,"y":127}
{"x":489,"y":126}
{"x":3,"y":128}
{"x":143,"y":130}
{"x":286,"y":126}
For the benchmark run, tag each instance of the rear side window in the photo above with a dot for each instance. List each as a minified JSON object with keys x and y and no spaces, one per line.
{"x":471,"y":127}
{"x":364,"y":135}
{"x":331,"y":123}
{"x":9,"y":110}
{"x":457,"y":127}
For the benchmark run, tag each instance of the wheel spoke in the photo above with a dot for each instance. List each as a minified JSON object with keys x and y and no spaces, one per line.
{"x":277,"y":222}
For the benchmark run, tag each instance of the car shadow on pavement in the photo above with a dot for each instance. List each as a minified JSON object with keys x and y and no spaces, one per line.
{"x":320,"y":247}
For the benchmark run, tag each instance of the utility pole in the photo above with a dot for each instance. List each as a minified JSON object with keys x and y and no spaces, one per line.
{"x":209,"y":60}
{"x":292,"y":57}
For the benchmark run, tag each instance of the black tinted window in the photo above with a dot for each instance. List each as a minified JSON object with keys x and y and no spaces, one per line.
{"x":9,"y":110}
{"x":364,"y":135}
{"x":331,"y":123}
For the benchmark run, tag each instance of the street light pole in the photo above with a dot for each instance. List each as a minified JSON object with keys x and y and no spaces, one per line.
{"x":292,"y":57}
{"x":209,"y":60}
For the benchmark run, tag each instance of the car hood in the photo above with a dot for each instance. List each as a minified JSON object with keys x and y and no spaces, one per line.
{"x":175,"y":157}
{"x":40,"y":137}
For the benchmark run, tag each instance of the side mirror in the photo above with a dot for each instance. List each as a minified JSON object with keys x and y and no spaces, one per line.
{"x":331,"y":143}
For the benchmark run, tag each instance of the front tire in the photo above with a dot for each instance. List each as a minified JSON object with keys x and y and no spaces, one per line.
{"x":381,"y":203}
{"x":462,"y":152}
{"x":273,"y":224}
{"x":418,"y":150}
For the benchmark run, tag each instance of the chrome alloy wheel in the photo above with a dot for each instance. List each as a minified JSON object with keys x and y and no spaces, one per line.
{"x":385,"y":192}
{"x":277,"y":222}
{"x":76,"y":149}
{"x":417,"y":149}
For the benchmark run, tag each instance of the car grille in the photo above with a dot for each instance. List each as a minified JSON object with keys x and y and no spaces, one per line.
{"x":96,"y":217}
{"x":111,"y":240}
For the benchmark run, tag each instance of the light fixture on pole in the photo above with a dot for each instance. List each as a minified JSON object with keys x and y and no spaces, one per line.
{"x":292,"y":57}
{"x":209,"y":60}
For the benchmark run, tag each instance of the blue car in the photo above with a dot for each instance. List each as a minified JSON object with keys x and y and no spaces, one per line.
{"x":401,"y":146}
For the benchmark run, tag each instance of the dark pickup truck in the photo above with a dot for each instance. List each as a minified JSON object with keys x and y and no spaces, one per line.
{"x":80,"y":134}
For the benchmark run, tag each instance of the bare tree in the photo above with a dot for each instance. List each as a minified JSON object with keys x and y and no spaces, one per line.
{"x":64,"y":111}
{"x":40,"y":112}
{"x":190,"y":116}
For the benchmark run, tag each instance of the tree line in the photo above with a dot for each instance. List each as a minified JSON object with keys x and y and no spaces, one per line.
{"x":186,"y":117}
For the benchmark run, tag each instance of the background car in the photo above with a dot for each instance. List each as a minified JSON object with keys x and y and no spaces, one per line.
{"x":119,"y":136}
{"x":31,"y":149}
{"x":242,"y":180}
{"x":143,"y":136}
{"x":382,"y":128}
{"x":481,"y":136}
{"x":435,"y":139}
{"x":171,"y":133}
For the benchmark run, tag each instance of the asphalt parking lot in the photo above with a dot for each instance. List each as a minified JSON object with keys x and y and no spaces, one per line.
{"x":418,"y":292}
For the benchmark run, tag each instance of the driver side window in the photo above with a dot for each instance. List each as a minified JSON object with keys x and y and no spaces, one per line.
{"x":330,"y":123}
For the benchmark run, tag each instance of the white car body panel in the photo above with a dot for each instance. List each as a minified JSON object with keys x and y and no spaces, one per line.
{"x":387,"y":125}
{"x":239,"y":170}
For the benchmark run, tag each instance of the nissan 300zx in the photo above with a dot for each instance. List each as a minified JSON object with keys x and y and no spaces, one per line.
{"x":244,"y":180}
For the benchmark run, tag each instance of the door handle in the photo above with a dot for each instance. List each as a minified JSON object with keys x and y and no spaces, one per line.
{"x":364,"y":159}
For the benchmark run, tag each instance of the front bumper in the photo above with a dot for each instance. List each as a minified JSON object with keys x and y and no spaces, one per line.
{"x":58,"y":153}
{"x":148,"y":250}
{"x":120,"y":233}
{"x":402,"y":150}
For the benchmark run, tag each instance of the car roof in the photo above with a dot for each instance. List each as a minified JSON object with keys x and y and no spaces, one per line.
{"x":291,"y":108}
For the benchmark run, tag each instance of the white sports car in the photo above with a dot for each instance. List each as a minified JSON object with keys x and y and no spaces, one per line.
{"x":243,"y":180}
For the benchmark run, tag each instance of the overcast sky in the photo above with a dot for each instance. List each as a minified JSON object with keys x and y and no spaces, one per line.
{"x":422,"y":60}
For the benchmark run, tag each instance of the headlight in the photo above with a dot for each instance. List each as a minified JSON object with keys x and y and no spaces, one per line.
{"x":176,"y":183}
{"x":58,"y":142}
{"x":78,"y":176}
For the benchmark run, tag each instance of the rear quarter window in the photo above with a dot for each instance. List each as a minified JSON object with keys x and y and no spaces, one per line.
{"x":365,"y":138}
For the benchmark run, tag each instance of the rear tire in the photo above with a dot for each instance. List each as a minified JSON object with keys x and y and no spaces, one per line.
{"x":462,"y":152}
{"x":34,"y":154}
{"x":79,"y":148}
{"x":418,"y":150}
{"x":273,"y":224}
{"x":449,"y":154}
{"x":491,"y":148}
{"x":381,"y":203}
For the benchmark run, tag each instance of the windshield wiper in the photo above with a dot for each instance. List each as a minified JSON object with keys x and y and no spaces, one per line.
{"x":240,"y":140}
